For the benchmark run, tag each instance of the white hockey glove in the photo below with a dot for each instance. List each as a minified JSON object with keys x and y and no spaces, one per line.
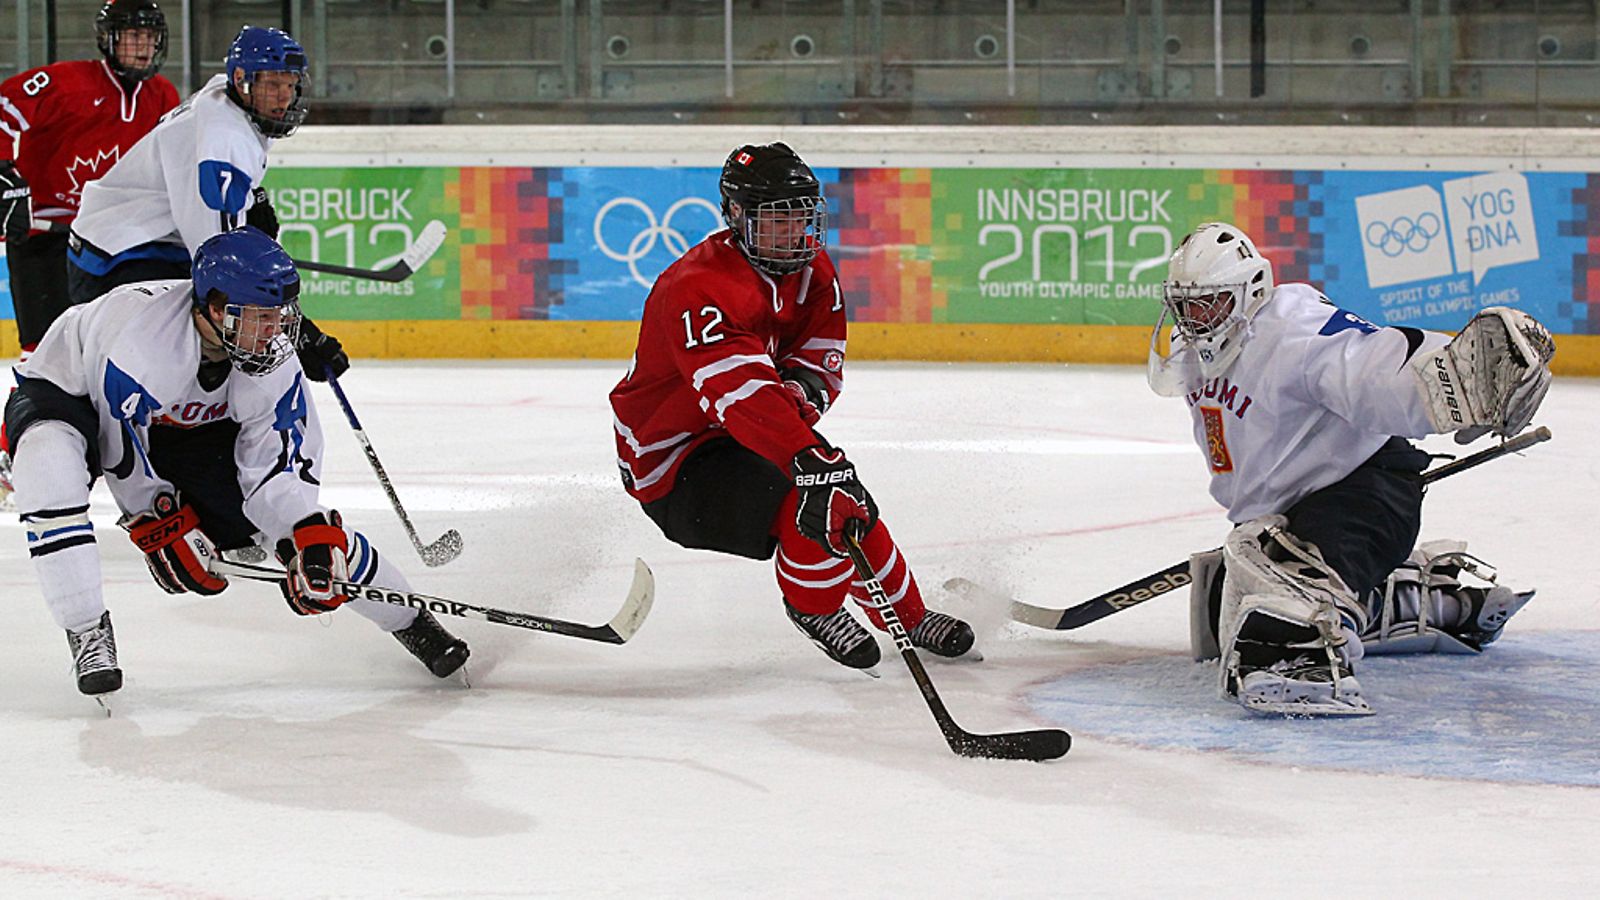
{"x":1490,"y":378}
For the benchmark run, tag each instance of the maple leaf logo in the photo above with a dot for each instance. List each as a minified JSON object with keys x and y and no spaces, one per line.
{"x":82,"y":171}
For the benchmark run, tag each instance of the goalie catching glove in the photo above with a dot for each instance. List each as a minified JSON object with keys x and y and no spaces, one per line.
{"x":177,"y":552}
{"x":315,"y":560}
{"x":1490,"y":378}
{"x":830,"y":497}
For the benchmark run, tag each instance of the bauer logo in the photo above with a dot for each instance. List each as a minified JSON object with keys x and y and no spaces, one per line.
{"x":1402,"y":236}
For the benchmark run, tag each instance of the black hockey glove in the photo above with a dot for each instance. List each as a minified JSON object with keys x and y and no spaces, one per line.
{"x":315,"y":562}
{"x":830,"y":497}
{"x":810,"y":392}
{"x":261,"y":214}
{"x":320,"y":352}
{"x":177,"y":552}
{"x":16,"y":206}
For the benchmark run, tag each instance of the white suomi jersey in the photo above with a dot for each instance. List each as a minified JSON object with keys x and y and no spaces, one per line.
{"x":1314,"y":393}
{"x":187,"y":180}
{"x":135,"y":353}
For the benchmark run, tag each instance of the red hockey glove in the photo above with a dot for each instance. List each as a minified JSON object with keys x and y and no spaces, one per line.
{"x":810,"y":392}
{"x":830,"y":497}
{"x":178,"y":553}
{"x":315,"y":560}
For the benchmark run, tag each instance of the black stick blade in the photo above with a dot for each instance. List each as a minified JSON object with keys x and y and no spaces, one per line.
{"x":1034,"y":746}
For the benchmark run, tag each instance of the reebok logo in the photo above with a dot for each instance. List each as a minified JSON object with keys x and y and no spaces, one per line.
{"x":1139,"y":595}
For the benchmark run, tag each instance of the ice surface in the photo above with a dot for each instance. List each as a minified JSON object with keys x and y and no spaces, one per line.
{"x":256,"y":754}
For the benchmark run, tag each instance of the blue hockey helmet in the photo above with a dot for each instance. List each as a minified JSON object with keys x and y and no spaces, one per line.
{"x":256,"y":50}
{"x":254,"y":283}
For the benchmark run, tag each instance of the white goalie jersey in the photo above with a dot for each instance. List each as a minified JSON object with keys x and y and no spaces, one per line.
{"x":135,"y":353}
{"x":185,"y":181}
{"x":1315,"y":391}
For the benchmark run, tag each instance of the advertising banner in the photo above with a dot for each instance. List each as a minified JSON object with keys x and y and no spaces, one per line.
{"x":956,"y":245}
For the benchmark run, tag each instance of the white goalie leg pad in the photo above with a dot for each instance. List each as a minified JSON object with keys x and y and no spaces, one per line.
{"x":1204,"y":571}
{"x":1490,"y":377}
{"x":1288,"y":625}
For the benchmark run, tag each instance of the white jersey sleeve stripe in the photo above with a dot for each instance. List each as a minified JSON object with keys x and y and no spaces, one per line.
{"x":739,"y":393}
{"x":727,"y":364}
{"x":633,"y":442}
{"x":10,"y":109}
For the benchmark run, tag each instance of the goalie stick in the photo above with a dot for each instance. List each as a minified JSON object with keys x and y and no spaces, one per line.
{"x":624,"y":625}
{"x":1176,"y":576}
{"x":1038,"y":746}
{"x":449,"y":544}
{"x":420,"y":251}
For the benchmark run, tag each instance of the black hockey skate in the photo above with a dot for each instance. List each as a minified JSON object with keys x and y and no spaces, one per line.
{"x":94,"y":658}
{"x":942,"y":635}
{"x":839,"y":635}
{"x":439,"y":650}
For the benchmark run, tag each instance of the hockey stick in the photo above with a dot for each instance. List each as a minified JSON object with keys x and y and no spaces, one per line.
{"x":624,"y":625}
{"x":441,"y":551}
{"x":1047,"y":743}
{"x":1176,"y":576}
{"x":427,"y":243}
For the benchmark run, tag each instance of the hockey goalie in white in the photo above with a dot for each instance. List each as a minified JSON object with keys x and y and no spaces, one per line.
{"x":1303,"y":411}
{"x":188,"y":398}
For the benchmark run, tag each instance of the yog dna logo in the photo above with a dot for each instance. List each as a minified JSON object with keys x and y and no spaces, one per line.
{"x":1473,"y":225}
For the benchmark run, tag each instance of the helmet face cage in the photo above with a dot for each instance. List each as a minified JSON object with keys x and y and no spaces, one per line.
{"x":293,"y":116}
{"x":115,"y":18}
{"x":259,"y":50}
{"x":783,"y":236}
{"x":259,"y":339}
{"x":1200,"y":310}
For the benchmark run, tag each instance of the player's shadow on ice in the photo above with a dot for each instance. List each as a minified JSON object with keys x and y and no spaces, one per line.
{"x":364,"y":761}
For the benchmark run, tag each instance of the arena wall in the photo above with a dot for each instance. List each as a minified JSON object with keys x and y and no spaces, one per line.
{"x":984,"y":244}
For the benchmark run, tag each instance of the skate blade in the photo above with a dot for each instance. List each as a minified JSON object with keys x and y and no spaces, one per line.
{"x":871,"y":672}
{"x":101,"y":700}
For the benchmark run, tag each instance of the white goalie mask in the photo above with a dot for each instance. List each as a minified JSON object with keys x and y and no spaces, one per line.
{"x":1216,"y":282}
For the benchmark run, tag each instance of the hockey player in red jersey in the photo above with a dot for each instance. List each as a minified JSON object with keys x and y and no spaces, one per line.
{"x":62,"y":126}
{"x":70,"y":122}
{"x":741,"y":352}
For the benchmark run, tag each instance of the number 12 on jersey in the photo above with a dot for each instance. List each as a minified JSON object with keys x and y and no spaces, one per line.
{"x":710,"y":317}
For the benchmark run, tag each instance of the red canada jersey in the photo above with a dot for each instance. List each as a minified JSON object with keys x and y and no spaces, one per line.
{"x":70,"y":122}
{"x":714,"y":336}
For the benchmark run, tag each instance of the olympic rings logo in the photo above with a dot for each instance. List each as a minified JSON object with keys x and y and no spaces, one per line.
{"x":1404,"y":233}
{"x":642,"y":243}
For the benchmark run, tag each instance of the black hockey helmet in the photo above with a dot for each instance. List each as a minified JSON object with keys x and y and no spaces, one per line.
{"x":118,"y":16}
{"x":773,"y":202}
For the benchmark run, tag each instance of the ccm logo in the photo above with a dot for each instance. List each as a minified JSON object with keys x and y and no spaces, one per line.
{"x":840,"y":477}
{"x":1140,"y":595}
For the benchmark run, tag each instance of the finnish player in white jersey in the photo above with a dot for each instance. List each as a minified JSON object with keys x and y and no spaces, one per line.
{"x":195,"y":175}
{"x":1303,"y":411}
{"x":116,"y":388}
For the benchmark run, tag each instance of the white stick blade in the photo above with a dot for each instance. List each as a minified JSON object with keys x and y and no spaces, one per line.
{"x":445,"y":549}
{"x":428,"y":243}
{"x":640,"y":597}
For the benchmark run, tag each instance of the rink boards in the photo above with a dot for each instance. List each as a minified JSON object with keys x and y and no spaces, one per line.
{"x":995,"y":246}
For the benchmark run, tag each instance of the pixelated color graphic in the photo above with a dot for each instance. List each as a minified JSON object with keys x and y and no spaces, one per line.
{"x":509,"y":220}
{"x":884,"y":251}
